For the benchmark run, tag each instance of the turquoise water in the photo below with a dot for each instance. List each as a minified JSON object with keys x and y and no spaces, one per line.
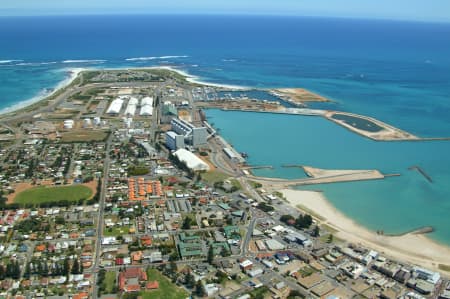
{"x":395,"y":204}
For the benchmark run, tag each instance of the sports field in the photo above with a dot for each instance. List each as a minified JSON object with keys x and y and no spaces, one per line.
{"x":43,"y":194}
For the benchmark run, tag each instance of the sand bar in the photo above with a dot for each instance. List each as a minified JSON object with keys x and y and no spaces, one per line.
{"x":409,"y":248}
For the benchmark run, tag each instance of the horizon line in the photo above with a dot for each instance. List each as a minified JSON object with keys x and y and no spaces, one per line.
{"x":240,"y":14}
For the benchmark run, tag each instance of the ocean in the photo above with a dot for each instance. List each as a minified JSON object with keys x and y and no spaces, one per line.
{"x":398,"y":72}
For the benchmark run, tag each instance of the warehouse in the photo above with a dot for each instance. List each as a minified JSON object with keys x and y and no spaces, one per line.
{"x":192,"y":161}
{"x":115,"y":106}
{"x":146,"y":106}
{"x":131,"y":107}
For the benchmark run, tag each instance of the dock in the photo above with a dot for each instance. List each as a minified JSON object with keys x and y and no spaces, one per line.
{"x":422,"y":172}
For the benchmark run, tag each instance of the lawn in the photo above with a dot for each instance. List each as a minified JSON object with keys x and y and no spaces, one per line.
{"x":167,"y":290}
{"x":110,"y":282}
{"x":214,"y":176}
{"x":116,"y":231}
{"x":44,"y":194}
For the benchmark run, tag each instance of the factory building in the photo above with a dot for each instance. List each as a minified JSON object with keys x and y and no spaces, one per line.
{"x":174,"y":141}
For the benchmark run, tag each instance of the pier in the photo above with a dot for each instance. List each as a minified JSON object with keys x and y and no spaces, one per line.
{"x":422,"y":172}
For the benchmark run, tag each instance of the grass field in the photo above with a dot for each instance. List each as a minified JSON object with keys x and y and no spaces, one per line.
{"x":110,"y":282}
{"x":214,"y":176}
{"x":116,"y":231}
{"x":43,"y":194}
{"x":83,"y":136}
{"x":167,"y":290}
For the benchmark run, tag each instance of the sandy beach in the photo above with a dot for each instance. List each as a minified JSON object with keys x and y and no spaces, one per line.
{"x":409,"y":248}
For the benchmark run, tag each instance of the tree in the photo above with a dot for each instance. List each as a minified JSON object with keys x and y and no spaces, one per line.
{"x":186,"y":223}
{"x":75,"y":267}
{"x":303,"y":221}
{"x":293,"y":294}
{"x":190,"y":280}
{"x":200,"y":289}
{"x":287,"y":218}
{"x":27,"y":272}
{"x":210,"y":257}
{"x":316,"y":231}
{"x":225,"y":252}
{"x":330,"y":238}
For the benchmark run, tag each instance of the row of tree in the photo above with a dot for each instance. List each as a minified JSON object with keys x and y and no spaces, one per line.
{"x":42,"y":268}
{"x":11,"y":270}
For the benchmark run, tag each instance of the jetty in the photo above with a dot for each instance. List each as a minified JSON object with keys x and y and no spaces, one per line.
{"x":321,"y":176}
{"x":422,"y":172}
{"x":249,"y":167}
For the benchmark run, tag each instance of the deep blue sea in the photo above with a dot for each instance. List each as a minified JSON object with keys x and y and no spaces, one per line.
{"x":398,"y":72}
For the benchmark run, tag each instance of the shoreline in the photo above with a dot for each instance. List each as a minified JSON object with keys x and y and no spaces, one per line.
{"x":404,"y":248}
{"x":42,"y":95}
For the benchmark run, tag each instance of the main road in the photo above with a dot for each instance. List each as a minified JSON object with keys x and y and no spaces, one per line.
{"x":101,"y":207}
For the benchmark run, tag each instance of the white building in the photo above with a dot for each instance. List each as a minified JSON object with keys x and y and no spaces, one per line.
{"x":131,"y":107}
{"x":146,"y":106}
{"x":192,"y":161}
{"x":194,"y":135}
{"x":68,"y":124}
{"x":174,"y":141}
{"x":115,"y":107}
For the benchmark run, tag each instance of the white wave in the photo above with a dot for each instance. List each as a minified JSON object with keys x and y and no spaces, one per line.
{"x":229,"y":60}
{"x":197,"y":80}
{"x":35,"y":63}
{"x":155,"y":57}
{"x":84,"y":61}
{"x":9,"y":61}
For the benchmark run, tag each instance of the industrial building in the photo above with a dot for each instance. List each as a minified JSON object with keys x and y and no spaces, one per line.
{"x":195,"y":136}
{"x":146,"y":106}
{"x":115,"y":107}
{"x":192,"y":161}
{"x":233,"y":155}
{"x":131,"y":107}
{"x":174,"y":141}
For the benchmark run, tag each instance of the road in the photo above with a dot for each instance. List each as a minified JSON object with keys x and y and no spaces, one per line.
{"x":98,"y":246}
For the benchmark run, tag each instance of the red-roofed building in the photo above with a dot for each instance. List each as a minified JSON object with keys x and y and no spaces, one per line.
{"x":81,"y":296}
{"x":146,"y":241}
{"x":131,"y":279}
{"x":152,"y":285}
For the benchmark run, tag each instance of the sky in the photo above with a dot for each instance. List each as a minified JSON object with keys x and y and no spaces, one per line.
{"x":414,"y":10}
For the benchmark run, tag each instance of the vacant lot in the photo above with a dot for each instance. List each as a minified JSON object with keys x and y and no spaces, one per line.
{"x":43,"y":194}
